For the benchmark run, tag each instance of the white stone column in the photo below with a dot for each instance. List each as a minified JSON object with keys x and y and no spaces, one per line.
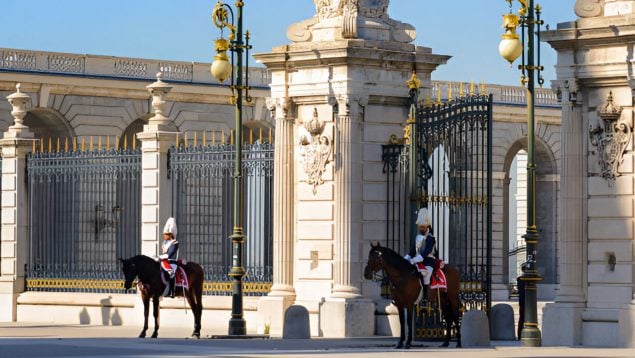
{"x":346,"y":313}
{"x":562,"y":322}
{"x":156,"y":193}
{"x":16,"y":145}
{"x":347,"y":200}
{"x":271,"y":308}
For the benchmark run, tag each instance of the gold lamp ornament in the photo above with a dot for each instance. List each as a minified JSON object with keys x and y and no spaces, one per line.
{"x":510,"y":46}
{"x":221,"y":67}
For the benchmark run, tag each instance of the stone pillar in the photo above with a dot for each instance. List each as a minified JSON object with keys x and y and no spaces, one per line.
{"x":347,"y":201}
{"x":562,"y":320}
{"x":345,"y":313}
{"x":271,"y":308}
{"x":156,"y":194}
{"x":16,"y":145}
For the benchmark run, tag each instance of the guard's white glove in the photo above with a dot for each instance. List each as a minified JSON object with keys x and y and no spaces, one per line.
{"x":163,"y":256}
{"x":408,"y":258}
{"x":416,"y":259}
{"x":155,"y":258}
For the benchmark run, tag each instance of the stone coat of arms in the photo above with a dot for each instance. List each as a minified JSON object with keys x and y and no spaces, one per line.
{"x":315,"y":151}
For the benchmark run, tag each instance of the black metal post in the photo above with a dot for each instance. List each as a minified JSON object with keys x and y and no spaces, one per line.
{"x":413,"y":182}
{"x":530,"y":335}
{"x":237,"y":324}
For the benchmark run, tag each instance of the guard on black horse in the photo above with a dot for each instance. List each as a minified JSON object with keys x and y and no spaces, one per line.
{"x":422,"y":254}
{"x":170,"y":255}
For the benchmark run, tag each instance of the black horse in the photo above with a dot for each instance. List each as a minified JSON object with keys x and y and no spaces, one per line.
{"x":151,"y":285}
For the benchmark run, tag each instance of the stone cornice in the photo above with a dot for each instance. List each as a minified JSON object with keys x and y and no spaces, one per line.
{"x":60,"y":84}
{"x":592,"y":33}
{"x":352,"y":52}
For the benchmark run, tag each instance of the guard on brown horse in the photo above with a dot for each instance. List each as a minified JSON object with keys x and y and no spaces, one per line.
{"x":188,"y":277}
{"x":406,"y":290}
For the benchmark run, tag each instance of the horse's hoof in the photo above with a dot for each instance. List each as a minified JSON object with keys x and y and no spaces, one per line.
{"x":197,"y":335}
{"x":142,"y":335}
{"x":399,"y":345}
{"x":445,"y":345}
{"x":458,"y":345}
{"x":407,"y":346}
{"x":154,"y":335}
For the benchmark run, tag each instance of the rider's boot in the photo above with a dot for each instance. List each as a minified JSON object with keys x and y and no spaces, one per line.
{"x":171,"y":293}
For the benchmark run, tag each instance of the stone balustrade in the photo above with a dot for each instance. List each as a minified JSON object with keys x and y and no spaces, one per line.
{"x":116,"y":67}
{"x":192,"y":72}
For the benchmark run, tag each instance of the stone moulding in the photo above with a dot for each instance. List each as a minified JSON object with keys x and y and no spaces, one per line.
{"x":611,"y":140}
{"x":315,"y":151}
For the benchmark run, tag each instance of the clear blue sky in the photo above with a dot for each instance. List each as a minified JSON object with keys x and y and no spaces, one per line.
{"x":469,"y":30}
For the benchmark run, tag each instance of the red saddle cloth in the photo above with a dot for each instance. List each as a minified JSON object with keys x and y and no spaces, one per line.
{"x":438,"y":281}
{"x":181,"y":276}
{"x":438,"y":277}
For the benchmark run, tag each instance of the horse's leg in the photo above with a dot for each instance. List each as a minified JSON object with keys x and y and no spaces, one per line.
{"x":410,"y":318}
{"x":198,"y":294}
{"x":448,"y":317}
{"x":456,"y":309}
{"x":146,"y":308}
{"x":402,"y":328}
{"x":155,"y":312}
{"x":191,"y":300}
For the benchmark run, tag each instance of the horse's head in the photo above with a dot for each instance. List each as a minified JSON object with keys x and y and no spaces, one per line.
{"x":129,"y":271}
{"x":374,"y":263}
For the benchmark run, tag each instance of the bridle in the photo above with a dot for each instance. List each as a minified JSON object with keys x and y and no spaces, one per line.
{"x":376,"y":266}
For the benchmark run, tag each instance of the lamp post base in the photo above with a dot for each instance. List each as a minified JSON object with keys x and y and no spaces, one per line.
{"x":530,"y":337}
{"x":237,"y":327}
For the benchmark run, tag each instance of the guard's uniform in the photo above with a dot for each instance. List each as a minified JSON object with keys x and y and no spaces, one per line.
{"x":425,"y":244}
{"x":170,"y":253}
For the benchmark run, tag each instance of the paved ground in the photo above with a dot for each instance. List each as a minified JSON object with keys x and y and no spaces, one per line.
{"x":45,"y":340}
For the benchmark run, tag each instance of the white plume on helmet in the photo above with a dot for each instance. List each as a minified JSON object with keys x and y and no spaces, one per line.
{"x":170,"y":227}
{"x":423,"y":217}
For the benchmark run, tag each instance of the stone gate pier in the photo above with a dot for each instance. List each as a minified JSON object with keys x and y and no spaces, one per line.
{"x":338,"y":93}
{"x":594,"y":305}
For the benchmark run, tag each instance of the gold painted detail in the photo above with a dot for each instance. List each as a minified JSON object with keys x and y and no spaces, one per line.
{"x":53,"y":284}
{"x":471,"y":286}
{"x":73,"y":284}
{"x":414,"y":83}
{"x":454,"y":200}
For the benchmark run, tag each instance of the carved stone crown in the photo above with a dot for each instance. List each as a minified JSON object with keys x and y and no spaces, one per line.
{"x":610,"y":111}
{"x":315,"y":126}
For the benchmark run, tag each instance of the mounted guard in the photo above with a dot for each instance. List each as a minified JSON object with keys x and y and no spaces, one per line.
{"x":170,"y":255}
{"x":422,"y":254}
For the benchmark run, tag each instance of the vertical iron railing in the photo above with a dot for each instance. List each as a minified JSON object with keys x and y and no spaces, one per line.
{"x":202,"y":187}
{"x":84,"y":210}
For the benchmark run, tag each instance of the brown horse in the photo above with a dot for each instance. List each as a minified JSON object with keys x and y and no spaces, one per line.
{"x":406,"y":291}
{"x":151,"y":286}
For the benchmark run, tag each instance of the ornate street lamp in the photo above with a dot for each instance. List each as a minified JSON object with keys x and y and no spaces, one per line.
{"x":222,"y":69}
{"x":511,"y":47}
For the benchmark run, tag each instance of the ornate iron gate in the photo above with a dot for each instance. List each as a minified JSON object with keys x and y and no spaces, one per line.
{"x":202,"y":189}
{"x":84,"y":212}
{"x":446,"y":167}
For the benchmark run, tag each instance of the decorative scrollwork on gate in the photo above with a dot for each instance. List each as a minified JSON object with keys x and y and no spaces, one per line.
{"x":316,"y":151}
{"x":611,"y":140}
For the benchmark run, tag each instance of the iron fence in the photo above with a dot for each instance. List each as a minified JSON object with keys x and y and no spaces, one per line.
{"x":202,"y":203}
{"x":446,"y":168}
{"x":84,"y":210}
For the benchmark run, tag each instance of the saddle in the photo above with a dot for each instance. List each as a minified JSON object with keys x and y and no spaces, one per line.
{"x":180,"y":276}
{"x":438,"y":280}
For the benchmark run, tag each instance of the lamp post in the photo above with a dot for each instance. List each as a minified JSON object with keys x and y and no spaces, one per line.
{"x":222,"y":69}
{"x":511,"y":47}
